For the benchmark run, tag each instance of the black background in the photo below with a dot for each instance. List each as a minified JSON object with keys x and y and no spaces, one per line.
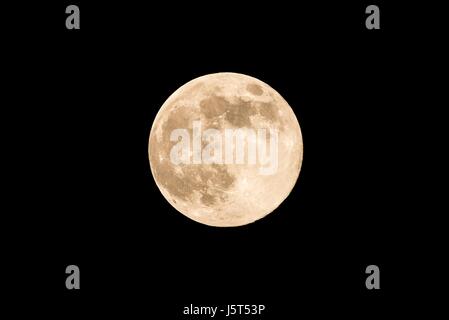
{"x":86,"y":103}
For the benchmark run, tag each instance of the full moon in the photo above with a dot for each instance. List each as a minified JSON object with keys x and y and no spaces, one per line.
{"x":225,"y":149}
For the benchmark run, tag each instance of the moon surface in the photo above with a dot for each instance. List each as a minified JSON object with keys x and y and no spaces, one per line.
{"x":225,"y":194}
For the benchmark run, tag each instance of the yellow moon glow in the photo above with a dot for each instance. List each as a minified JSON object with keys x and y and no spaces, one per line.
{"x":221,"y":193}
